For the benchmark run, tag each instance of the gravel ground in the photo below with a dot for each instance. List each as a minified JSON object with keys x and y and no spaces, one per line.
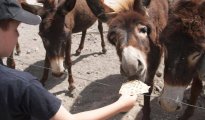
{"x":97,"y":76}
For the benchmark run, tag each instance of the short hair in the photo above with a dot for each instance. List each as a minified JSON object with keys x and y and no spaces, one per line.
{"x":4,"y":24}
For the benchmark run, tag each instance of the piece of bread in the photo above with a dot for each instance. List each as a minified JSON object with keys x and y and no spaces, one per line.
{"x":134,"y":87}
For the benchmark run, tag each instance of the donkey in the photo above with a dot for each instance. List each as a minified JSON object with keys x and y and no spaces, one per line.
{"x":60,"y":19}
{"x":184,"y":43}
{"x":135,"y":34}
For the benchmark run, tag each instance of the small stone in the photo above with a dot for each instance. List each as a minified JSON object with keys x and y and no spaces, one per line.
{"x":34,"y":39}
{"x":36,"y":49}
{"x":28,"y":52}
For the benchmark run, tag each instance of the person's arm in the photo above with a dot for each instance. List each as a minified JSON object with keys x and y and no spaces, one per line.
{"x":123,"y":104}
{"x":62,"y":114}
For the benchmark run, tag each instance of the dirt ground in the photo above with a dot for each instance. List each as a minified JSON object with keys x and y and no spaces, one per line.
{"x":97,"y":76}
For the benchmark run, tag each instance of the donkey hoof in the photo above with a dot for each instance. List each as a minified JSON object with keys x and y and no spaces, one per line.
{"x":104,"y":51}
{"x":17,"y":53}
{"x":77,"y":52}
{"x":11,"y":65}
{"x":71,"y":88}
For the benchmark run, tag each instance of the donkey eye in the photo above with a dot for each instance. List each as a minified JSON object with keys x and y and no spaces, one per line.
{"x":143,"y":30}
{"x":194,"y":57}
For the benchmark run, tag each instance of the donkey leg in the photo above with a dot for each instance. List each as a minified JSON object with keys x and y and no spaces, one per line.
{"x":18,"y":51}
{"x":146,"y":108}
{"x":150,"y":80}
{"x":81,"y":46}
{"x":10,"y":61}
{"x":196,"y":89}
{"x":100,"y":28}
{"x":45,"y":71}
{"x":1,"y":61}
{"x":68,"y":63}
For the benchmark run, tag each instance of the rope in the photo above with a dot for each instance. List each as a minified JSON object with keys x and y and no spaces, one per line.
{"x":63,"y":72}
{"x":107,"y":85}
{"x":90,"y":33}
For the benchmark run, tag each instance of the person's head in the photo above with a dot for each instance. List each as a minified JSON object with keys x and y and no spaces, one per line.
{"x":11,"y":15}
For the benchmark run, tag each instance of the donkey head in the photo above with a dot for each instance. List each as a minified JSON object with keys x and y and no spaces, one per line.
{"x":52,"y":29}
{"x":184,"y":38}
{"x":131,"y":32}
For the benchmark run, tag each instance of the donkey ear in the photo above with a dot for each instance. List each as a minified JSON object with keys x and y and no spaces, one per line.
{"x":100,"y":10}
{"x":35,"y":9}
{"x":68,"y":6}
{"x":140,"y":6}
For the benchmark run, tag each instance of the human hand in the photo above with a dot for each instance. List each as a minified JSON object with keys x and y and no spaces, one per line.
{"x":127,"y":102}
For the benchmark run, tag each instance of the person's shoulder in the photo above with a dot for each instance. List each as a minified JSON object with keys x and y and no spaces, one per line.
{"x":13,"y":75}
{"x":17,"y":82}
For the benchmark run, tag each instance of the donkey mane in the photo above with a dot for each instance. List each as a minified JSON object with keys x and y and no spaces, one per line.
{"x":120,"y":5}
{"x":189,"y":20}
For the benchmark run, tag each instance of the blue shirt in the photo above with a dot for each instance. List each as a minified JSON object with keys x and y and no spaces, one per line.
{"x":22,"y":97}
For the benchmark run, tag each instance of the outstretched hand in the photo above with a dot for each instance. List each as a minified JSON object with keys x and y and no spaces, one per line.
{"x":127,"y":101}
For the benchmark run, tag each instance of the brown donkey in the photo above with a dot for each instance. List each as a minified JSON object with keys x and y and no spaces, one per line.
{"x":184,"y":41}
{"x":61,"y":18}
{"x":135,"y":34}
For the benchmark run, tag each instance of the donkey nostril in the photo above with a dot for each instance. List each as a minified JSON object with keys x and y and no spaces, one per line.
{"x":178,"y":108}
{"x":140,"y":65}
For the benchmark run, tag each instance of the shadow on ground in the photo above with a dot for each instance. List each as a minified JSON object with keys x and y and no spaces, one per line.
{"x":94,"y":96}
{"x":97,"y":95}
{"x":37,"y":69}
